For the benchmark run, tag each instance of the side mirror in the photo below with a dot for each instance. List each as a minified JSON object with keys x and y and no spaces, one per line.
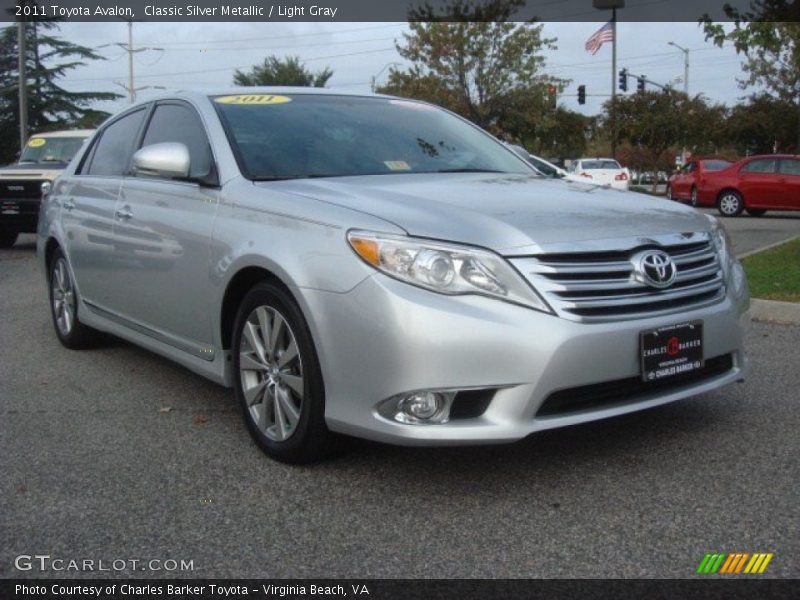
{"x":169,"y":159}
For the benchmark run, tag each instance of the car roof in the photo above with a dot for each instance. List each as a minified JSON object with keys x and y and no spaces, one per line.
{"x":202,"y":94}
{"x":597,"y":158}
{"x":65,"y":133}
{"x":771,"y":156}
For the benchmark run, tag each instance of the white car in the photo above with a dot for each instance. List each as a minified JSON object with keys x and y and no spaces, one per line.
{"x":603,"y":171}
{"x":545,"y":167}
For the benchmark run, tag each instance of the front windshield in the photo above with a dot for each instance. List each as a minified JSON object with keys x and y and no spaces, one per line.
{"x":304,"y":135}
{"x":51,"y":149}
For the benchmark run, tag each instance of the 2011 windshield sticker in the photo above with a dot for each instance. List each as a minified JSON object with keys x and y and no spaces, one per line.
{"x":252,"y":99}
{"x":36,"y":142}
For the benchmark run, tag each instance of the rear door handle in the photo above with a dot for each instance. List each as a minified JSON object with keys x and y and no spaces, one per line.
{"x":124,"y":213}
{"x":68,"y":204}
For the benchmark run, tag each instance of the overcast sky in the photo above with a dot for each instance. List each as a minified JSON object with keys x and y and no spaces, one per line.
{"x":203,"y":55}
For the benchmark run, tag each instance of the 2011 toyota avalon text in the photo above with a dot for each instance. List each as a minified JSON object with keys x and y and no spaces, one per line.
{"x":380,"y":267}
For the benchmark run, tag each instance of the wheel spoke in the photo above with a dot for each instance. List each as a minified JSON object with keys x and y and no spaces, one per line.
{"x":277,"y":328}
{"x":263,"y":323}
{"x":254,"y":393}
{"x":294,"y":382}
{"x":289,"y":355}
{"x":288,"y":408}
{"x":251,"y":335}
{"x":250,"y":361}
{"x":280,"y":418}
{"x":268,"y":401}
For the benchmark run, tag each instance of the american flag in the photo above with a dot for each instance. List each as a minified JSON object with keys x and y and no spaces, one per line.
{"x":599,"y":37}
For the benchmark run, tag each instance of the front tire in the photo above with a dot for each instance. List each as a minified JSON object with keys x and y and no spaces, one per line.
{"x":730,"y":203}
{"x":64,"y":307}
{"x":8,"y":238}
{"x":694,"y":196}
{"x":277,"y":377}
{"x":669,"y":193}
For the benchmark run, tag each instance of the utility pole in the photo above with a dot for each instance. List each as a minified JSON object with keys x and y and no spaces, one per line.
{"x":22,"y":86}
{"x":130,"y":87}
{"x":613,"y":5}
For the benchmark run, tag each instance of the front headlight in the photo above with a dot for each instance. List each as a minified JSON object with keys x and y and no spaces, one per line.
{"x":445,"y":268}
{"x":723,"y":244}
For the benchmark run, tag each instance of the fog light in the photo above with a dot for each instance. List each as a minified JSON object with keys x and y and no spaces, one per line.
{"x":421,"y":405}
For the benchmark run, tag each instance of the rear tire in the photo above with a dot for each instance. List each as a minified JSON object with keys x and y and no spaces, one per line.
{"x":8,"y":238}
{"x":756,"y":212}
{"x":277,"y":377}
{"x":64,"y":307}
{"x":694,"y":196}
{"x":730,"y":203}
{"x":669,"y":193}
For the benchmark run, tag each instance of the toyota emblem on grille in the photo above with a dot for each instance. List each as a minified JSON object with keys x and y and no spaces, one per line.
{"x":654,"y":268}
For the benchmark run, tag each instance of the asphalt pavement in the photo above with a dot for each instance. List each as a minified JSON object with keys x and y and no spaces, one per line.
{"x":116,"y":454}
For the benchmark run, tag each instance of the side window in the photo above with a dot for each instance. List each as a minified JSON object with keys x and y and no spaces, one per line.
{"x":789,"y":166}
{"x":112,"y":153}
{"x":177,"y":123}
{"x":761,"y":165}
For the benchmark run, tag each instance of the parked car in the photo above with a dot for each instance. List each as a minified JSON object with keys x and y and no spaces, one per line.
{"x":683,"y":184}
{"x":605,"y":171}
{"x":755,"y":184}
{"x":382,"y":268}
{"x":41,"y":161}
{"x":545,"y":167}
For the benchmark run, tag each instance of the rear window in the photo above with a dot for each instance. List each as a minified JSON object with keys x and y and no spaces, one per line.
{"x":599,"y":164}
{"x":716,"y":165}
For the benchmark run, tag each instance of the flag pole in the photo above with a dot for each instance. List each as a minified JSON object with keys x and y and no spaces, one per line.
{"x":614,"y":83}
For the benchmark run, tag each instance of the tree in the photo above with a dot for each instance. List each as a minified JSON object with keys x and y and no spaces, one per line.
{"x":762,"y":125}
{"x":50,"y":106}
{"x":768,"y":36}
{"x":489,"y":71}
{"x":287,"y":71}
{"x":655,"y":124}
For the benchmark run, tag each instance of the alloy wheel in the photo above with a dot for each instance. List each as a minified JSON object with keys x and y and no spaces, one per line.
{"x":63,"y":297}
{"x":729,"y":204}
{"x":271,"y":373}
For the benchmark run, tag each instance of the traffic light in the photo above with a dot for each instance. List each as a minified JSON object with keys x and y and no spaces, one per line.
{"x":640,"y":83}
{"x":623,"y":80}
{"x":581,"y":94}
{"x":552,"y":92}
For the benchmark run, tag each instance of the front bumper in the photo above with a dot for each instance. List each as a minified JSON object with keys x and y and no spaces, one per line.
{"x":19,"y":214}
{"x":385,"y":338}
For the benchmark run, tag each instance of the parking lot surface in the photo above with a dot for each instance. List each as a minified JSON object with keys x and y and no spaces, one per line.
{"x":115,"y":453}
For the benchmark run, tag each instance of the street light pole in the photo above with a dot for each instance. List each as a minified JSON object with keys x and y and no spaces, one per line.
{"x":685,"y":66}
{"x":131,"y":89}
{"x":613,"y":5}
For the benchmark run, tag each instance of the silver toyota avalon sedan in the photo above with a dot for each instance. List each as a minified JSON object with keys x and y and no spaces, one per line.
{"x":382,"y":268}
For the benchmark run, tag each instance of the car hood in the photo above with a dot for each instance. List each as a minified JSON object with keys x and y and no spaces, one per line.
{"x":511,"y":214}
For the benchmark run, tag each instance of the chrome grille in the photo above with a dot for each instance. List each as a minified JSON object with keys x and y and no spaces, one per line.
{"x":599,"y":285}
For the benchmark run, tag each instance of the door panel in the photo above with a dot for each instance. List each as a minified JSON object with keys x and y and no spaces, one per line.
{"x":789,"y":180}
{"x":87,"y":216}
{"x":758,"y":182}
{"x":162,"y":237}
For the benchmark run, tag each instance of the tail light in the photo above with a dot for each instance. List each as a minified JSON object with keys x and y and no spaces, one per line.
{"x":585,"y":174}
{"x":622,"y":177}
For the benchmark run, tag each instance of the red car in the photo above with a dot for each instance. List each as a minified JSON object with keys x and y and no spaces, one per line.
{"x":683,"y":185}
{"x":755,"y":184}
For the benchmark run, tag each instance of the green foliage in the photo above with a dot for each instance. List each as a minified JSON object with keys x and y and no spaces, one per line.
{"x":654,"y":125}
{"x":485,"y":68}
{"x":47,"y":59}
{"x":286,"y":71}
{"x":762,"y":125}
{"x":768,"y":36}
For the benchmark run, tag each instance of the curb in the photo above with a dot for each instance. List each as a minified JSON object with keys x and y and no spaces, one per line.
{"x":767,"y":247}
{"x":772,"y":311}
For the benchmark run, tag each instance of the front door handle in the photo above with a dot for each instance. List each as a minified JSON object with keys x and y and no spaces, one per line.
{"x":124,"y":213}
{"x":68,"y":204}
